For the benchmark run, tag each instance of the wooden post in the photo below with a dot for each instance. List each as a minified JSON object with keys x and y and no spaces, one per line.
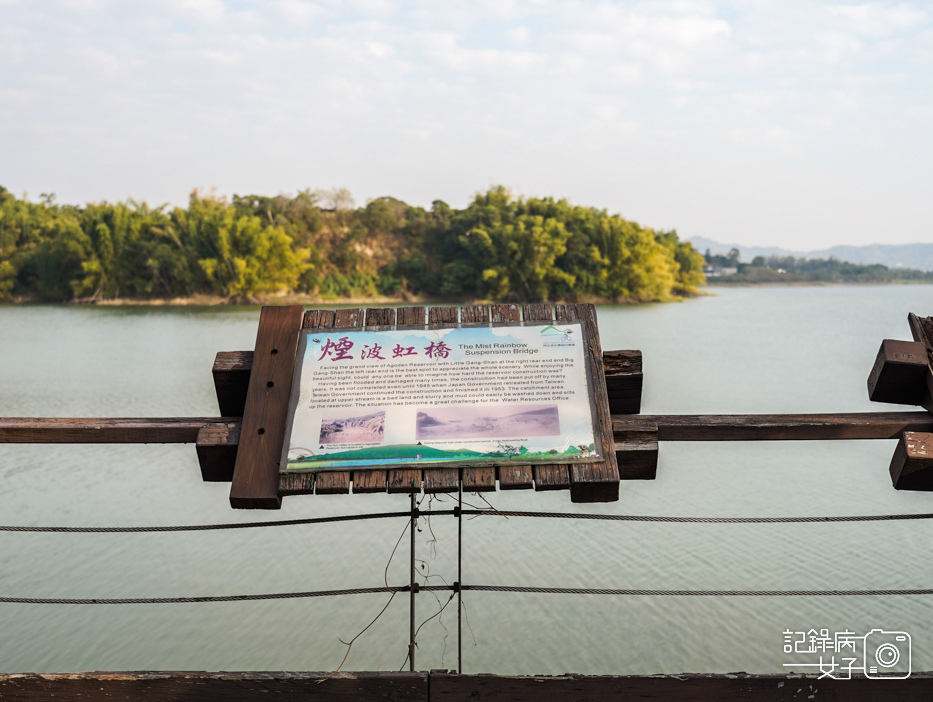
{"x":922,"y":330}
{"x":262,"y":435}
{"x":899,"y":374}
{"x":912,"y":464}
{"x":623,"y":381}
{"x":637,"y":453}
{"x":594,"y":482}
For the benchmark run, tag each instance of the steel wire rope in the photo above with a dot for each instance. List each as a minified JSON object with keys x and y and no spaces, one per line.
{"x":209,"y":527}
{"x":480,"y":588}
{"x":697,"y":520}
{"x":187,"y":600}
{"x":472,"y":512}
{"x":688,"y":593}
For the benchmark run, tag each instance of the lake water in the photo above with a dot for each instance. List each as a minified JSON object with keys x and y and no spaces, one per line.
{"x":794,"y":349}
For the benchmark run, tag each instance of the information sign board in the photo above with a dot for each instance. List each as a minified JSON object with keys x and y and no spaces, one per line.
{"x":386,"y":397}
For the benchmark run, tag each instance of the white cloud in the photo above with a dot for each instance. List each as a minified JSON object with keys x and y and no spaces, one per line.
{"x":876,"y":19}
{"x":519,"y":35}
{"x":299,"y":10}
{"x":585,"y":98}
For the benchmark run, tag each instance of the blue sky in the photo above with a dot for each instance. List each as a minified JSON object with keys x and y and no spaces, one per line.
{"x":798,"y":124}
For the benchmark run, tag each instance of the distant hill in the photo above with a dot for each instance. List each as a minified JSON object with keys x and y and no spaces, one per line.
{"x":918,"y":256}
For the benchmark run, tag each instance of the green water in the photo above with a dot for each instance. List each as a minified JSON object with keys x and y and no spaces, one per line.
{"x":743,"y":350}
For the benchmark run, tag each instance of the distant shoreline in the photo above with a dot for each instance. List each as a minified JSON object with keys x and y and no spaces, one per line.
{"x":200,"y":300}
{"x":811,"y":283}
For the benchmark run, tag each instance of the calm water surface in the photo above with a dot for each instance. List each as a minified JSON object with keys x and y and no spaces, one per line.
{"x":743,"y":350}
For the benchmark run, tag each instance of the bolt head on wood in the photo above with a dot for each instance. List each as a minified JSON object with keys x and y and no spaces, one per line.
{"x":912,"y":464}
{"x":900,"y":373}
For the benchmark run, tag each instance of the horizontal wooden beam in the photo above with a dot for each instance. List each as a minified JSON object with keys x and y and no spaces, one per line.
{"x":670,"y":427}
{"x":165,"y":686}
{"x":775,"y":427}
{"x":170,"y":686}
{"x":107,"y":430}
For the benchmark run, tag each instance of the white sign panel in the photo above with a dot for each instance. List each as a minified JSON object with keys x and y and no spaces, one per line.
{"x":458,"y":396}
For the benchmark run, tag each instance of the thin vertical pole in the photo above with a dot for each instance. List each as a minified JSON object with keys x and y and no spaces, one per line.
{"x":411,"y":623}
{"x":460,"y":573}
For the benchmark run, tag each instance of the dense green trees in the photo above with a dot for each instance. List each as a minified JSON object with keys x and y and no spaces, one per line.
{"x":317,"y":243}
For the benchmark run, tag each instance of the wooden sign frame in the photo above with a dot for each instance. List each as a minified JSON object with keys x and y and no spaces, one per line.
{"x":259,"y":485}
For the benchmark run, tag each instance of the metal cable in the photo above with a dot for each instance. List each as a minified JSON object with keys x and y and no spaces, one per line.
{"x":702,"y":520}
{"x":183,"y":600}
{"x":211,"y":527}
{"x":482,"y":588}
{"x":705,"y":593}
{"x":497,"y":512}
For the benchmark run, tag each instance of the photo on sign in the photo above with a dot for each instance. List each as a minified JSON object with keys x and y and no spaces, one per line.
{"x":360,"y":429}
{"x":487,"y":422}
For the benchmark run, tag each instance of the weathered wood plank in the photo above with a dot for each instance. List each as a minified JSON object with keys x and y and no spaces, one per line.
{"x":899,"y":374}
{"x":538,"y":312}
{"x":735,"y":687}
{"x":369,"y":481}
{"x":348,"y":318}
{"x":336,"y":482}
{"x":410,"y":316}
{"x":776,"y":427}
{"x":624,"y":380}
{"x":231,"y":381}
{"x":912,"y":464}
{"x":104,"y":430}
{"x":513,"y":477}
{"x":443,"y":315}
{"x":637,"y":453}
{"x":555,"y":477}
{"x":479,"y":479}
{"x":440,"y":686}
{"x":255,"y":482}
{"x":477,"y":314}
{"x":505,"y":313}
{"x":594,"y":482}
{"x":296,"y":483}
{"x":318,"y":319}
{"x":406,"y":479}
{"x":168,"y":686}
{"x":922,"y":330}
{"x":380,"y":316}
{"x":217,"y":448}
{"x":441,"y":480}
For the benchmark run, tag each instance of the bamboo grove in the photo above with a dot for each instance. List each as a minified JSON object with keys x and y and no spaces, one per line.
{"x":498,"y":248}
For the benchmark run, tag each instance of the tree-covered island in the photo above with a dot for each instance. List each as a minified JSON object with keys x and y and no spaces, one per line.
{"x":319,"y":245}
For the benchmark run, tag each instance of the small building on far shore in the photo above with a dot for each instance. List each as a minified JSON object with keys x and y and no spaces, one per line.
{"x":717,"y":271}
